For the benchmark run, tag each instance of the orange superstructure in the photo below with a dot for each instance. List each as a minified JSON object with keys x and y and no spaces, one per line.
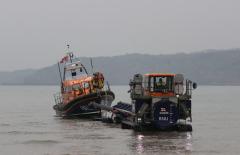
{"x":79,"y":88}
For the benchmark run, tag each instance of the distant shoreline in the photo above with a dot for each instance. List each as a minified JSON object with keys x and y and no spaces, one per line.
{"x":216,"y":68}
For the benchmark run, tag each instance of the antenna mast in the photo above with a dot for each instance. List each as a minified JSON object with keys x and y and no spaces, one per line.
{"x":60,"y":74}
{"x":92,"y":65}
{"x":69,"y":53}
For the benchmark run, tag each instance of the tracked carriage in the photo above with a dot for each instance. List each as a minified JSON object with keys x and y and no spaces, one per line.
{"x":158,"y":102}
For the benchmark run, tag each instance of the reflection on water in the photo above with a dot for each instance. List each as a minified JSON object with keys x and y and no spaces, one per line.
{"x":139,"y":145}
{"x":162,"y":142}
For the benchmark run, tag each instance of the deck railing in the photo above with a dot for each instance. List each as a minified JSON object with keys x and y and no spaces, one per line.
{"x":58,"y":98}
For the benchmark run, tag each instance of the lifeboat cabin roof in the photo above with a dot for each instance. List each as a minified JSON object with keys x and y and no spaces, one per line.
{"x":73,"y":65}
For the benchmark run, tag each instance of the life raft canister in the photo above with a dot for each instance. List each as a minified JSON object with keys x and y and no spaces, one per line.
{"x":98,"y":80}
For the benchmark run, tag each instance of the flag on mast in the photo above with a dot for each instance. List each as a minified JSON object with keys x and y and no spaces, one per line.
{"x":64,"y":59}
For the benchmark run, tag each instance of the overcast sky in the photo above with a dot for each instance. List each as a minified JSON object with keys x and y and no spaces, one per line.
{"x":34,"y":34}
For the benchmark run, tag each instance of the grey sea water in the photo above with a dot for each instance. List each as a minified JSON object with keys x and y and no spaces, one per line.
{"x":28,"y":126}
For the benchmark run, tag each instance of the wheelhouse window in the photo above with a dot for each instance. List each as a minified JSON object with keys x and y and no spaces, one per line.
{"x":86,"y":85}
{"x":161,"y":84}
{"x":75,"y":73}
{"x":76,"y":87}
{"x":68,"y":89}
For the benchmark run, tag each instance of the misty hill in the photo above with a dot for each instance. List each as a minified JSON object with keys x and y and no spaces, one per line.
{"x":212,"y":67}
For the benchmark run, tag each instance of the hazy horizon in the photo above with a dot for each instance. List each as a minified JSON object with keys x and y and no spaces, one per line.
{"x":123,"y":55}
{"x":34,"y":34}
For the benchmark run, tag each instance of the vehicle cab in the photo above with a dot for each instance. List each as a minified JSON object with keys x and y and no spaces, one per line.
{"x":158,"y":84}
{"x":161,"y":85}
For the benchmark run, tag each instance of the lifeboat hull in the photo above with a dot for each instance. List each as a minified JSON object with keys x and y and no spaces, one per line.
{"x":82,"y":106}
